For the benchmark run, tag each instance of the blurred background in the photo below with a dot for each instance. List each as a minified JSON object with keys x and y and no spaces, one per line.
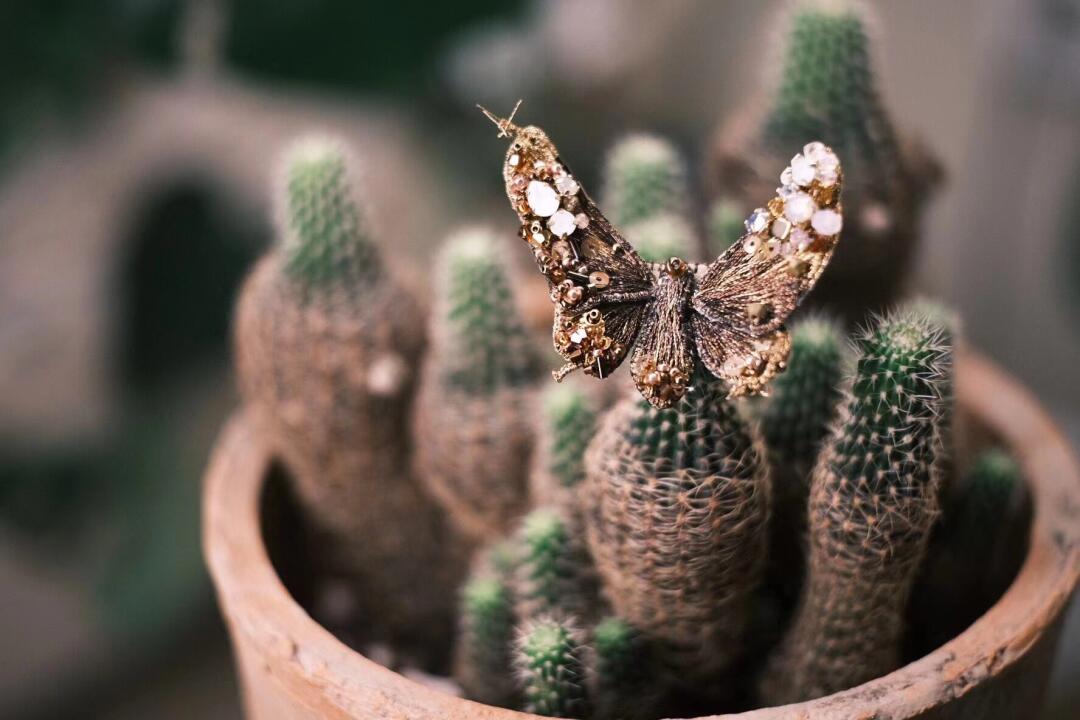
{"x":137,"y":149}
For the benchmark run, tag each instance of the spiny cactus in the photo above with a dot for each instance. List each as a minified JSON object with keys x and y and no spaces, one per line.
{"x":826,"y":91}
{"x":554,"y":571}
{"x":675,"y":504}
{"x":568,"y":417}
{"x":482,"y":664}
{"x":326,"y":348}
{"x":723,"y":225}
{"x":975,"y":551}
{"x":644,"y":177}
{"x":550,"y":659}
{"x":796,"y":417}
{"x":622,"y":685}
{"x":873,"y":500}
{"x":472,"y":424}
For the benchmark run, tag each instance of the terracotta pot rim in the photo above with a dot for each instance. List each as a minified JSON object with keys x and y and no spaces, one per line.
{"x":256,"y":603}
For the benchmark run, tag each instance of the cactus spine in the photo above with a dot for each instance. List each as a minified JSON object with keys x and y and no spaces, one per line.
{"x":472,"y":423}
{"x":676,"y":503}
{"x":550,"y":659}
{"x":326,"y":345}
{"x":873,"y":500}
{"x":826,"y":91}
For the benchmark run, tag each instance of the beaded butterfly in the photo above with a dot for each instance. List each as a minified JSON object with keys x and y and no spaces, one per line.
{"x":728,"y":314}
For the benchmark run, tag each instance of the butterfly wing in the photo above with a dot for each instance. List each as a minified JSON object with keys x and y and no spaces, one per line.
{"x":745,"y":296}
{"x":600,"y":286}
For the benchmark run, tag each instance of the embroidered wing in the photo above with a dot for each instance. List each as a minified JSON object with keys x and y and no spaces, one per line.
{"x":600,"y":286}
{"x":744,"y":297}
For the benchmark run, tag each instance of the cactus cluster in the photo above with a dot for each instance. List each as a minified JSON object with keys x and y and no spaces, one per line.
{"x":630,"y":562}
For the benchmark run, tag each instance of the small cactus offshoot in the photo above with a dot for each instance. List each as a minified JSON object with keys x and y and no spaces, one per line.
{"x":550,"y":659}
{"x":568,"y":417}
{"x":623,"y":686}
{"x":644,"y":177}
{"x":485,"y":639}
{"x":554,"y":571}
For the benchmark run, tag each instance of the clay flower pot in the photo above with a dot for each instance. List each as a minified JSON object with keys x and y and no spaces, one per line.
{"x":291,"y":667}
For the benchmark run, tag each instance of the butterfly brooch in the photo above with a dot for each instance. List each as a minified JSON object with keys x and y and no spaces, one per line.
{"x":610,"y":302}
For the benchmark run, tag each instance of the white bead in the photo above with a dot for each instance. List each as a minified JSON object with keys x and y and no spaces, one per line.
{"x":827,"y":222}
{"x":799,"y":208}
{"x":814,"y":150}
{"x":802,"y":171}
{"x":780,"y":228}
{"x":562,"y":223}
{"x":758,"y":220}
{"x":542,"y":198}
{"x":566,"y":185}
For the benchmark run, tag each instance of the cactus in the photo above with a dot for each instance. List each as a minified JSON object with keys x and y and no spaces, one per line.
{"x":550,"y":659}
{"x":472,"y":423}
{"x":873,"y":501}
{"x":795,"y":419}
{"x":644,"y":177}
{"x":622,"y":686}
{"x":485,"y":638}
{"x":326,"y":342}
{"x":826,"y":91}
{"x":554,"y":571}
{"x":567,"y":424}
{"x":675,"y":504}
{"x":724,"y":225}
{"x":975,"y":551}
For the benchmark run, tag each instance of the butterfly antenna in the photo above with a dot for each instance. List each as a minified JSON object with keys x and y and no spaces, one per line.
{"x":505,"y":125}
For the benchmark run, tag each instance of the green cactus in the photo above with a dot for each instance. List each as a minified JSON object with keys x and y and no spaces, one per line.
{"x":795,"y":419}
{"x":485,"y":637}
{"x":567,"y":423}
{"x":554,"y":572}
{"x":622,"y":683}
{"x":873,"y":501}
{"x":326,"y":351}
{"x":675,"y":504}
{"x":325,"y":238}
{"x":550,"y":658}
{"x":661,"y":237}
{"x":826,"y":91}
{"x":472,"y":423}
{"x":975,"y":551}
{"x":644,"y":177}
{"x":724,"y":225}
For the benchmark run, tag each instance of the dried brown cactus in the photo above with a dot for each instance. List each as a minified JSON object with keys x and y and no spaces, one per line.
{"x":326,"y":349}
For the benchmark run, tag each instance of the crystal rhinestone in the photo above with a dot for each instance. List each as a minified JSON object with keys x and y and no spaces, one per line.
{"x":562,"y":223}
{"x":581,"y":220}
{"x":800,"y":239}
{"x":799,"y":208}
{"x":802,"y":171}
{"x":780,"y":228}
{"x":826,"y":222}
{"x":758,"y":220}
{"x":566,"y":185}
{"x":542,"y":198}
{"x":514,"y":160}
{"x":751,"y":244}
{"x":814,"y":150}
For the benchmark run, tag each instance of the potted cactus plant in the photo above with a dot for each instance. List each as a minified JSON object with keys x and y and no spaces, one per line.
{"x":406,"y":520}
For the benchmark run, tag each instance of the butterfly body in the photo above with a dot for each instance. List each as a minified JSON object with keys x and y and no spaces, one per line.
{"x":610,"y":303}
